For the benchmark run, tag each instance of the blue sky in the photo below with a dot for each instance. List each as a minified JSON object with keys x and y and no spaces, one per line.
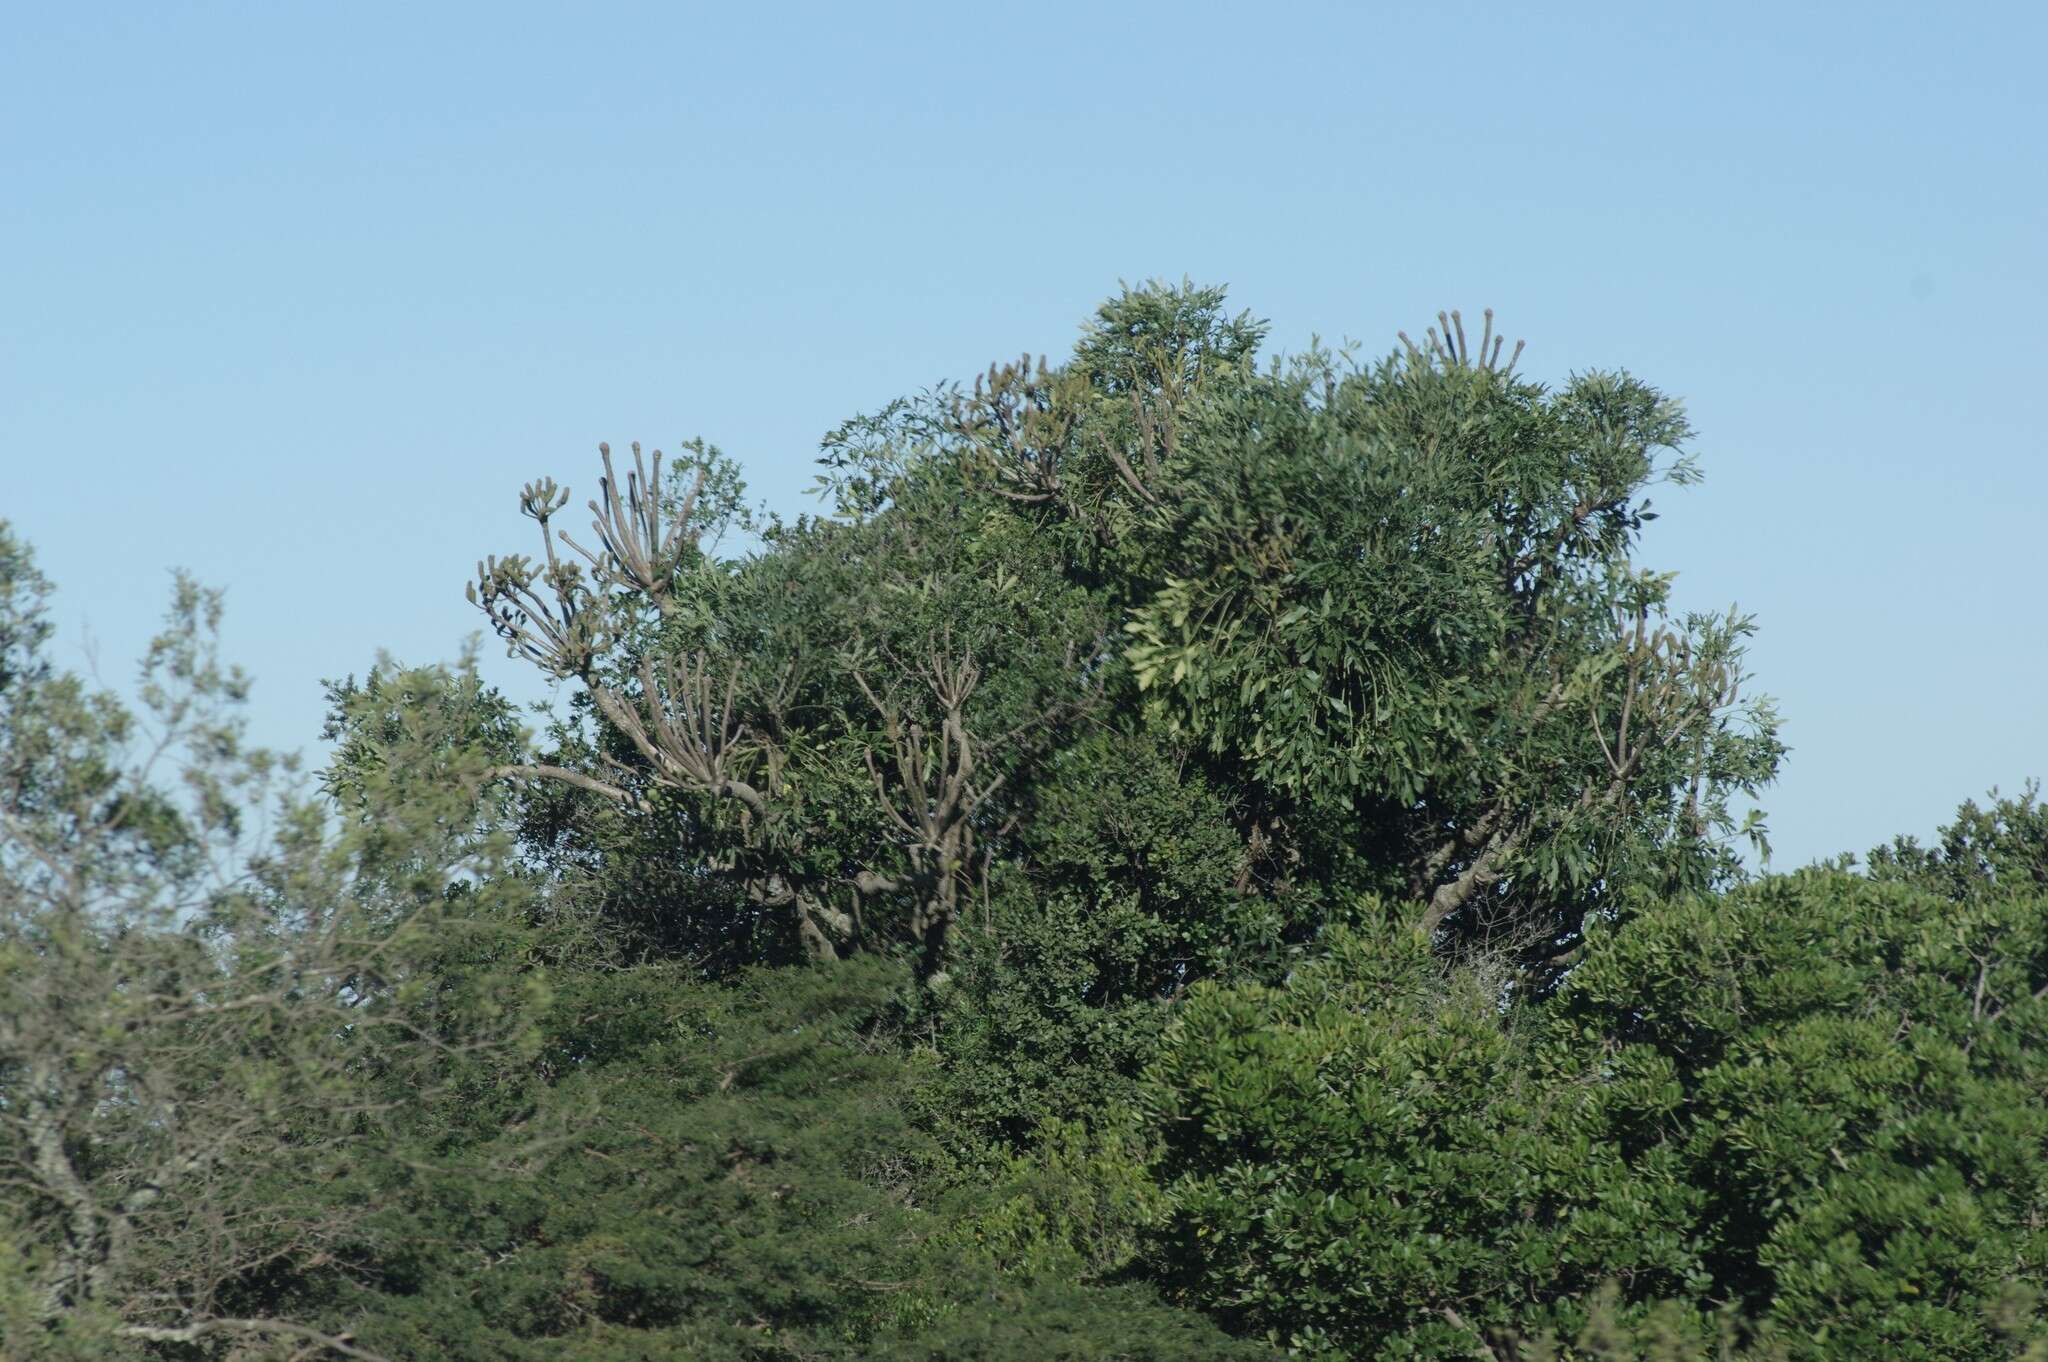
{"x":296,"y":296}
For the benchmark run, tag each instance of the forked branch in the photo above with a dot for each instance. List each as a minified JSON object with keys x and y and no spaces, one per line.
{"x":1450,"y":348}
{"x":929,"y":792}
{"x":642,"y":547}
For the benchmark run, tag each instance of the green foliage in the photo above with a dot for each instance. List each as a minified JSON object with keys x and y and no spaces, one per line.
{"x":1381,"y":621}
{"x":1403,"y":592}
{"x":213,"y":997}
{"x":24,"y":617}
{"x":1195,"y":857}
{"x":1373,"y":1160}
{"x":1818,"y":1099}
{"x":709,"y":1171}
{"x":1161,"y":336}
{"x":729,"y":1170}
{"x":1060,"y":995}
{"x":1852,"y":1073}
{"x":1071,"y":1205}
{"x":2000,"y":849}
{"x":1111,"y":676}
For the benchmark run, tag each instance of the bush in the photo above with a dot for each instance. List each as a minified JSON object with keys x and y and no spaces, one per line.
{"x":1818,"y":1099}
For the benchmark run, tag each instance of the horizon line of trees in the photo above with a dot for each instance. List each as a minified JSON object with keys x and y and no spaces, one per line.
{"x":1190,"y":855}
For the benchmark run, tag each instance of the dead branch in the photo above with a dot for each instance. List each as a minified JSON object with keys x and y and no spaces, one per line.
{"x":929,"y":793}
{"x":342,"y":1344}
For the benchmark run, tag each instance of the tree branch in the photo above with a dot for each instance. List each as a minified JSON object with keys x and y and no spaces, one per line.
{"x":543,"y":771}
{"x":208,"y":1328}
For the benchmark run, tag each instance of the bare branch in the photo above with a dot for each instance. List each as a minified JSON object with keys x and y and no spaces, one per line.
{"x":543,"y":771}
{"x":341,"y":1344}
{"x":642,"y":546}
{"x":928,"y":791}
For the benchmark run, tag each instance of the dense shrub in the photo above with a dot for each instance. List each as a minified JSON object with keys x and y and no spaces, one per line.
{"x":1818,"y":1100}
{"x":728,"y":1170}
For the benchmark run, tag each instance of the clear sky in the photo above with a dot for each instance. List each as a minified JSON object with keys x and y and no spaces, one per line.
{"x":297,"y":295}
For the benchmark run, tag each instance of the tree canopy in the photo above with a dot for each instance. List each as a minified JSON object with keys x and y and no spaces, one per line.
{"x":1385,"y":615}
{"x":1188,"y":854}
